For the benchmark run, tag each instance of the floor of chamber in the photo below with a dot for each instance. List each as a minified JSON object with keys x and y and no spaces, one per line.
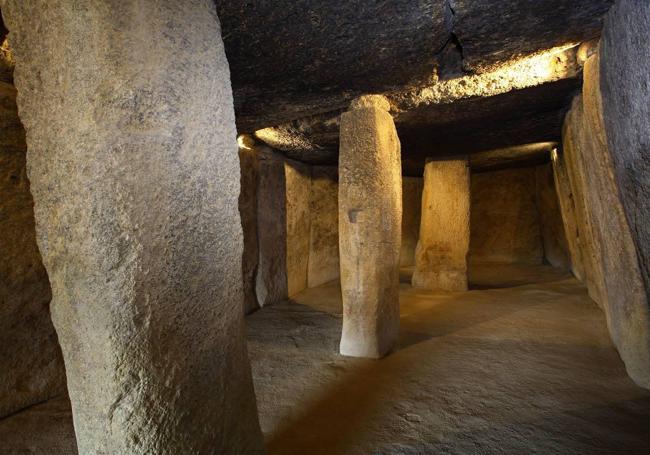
{"x":525,"y":369}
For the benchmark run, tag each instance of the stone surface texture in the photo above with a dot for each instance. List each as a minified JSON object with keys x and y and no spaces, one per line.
{"x":271,"y":285}
{"x":132,"y":159}
{"x":31,"y":365}
{"x":370,"y":218}
{"x":250,"y":170}
{"x":298,"y":197}
{"x":411,"y":212}
{"x":443,"y":245}
{"x":625,"y":85}
{"x":296,"y":58}
{"x":615,"y":273}
{"x":324,"y":237}
{"x":575,"y":140}
{"x":504,"y":220}
{"x":556,"y":249}
{"x":568,"y":209}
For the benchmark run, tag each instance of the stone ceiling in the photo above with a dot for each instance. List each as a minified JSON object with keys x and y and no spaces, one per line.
{"x":462,"y":75}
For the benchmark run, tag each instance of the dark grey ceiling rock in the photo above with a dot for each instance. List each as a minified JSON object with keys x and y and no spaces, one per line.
{"x":292,"y":58}
{"x":521,"y":102}
{"x":491,"y":31}
{"x":297,"y":58}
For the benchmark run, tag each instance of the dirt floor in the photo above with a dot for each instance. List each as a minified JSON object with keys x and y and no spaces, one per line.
{"x":527,"y":369}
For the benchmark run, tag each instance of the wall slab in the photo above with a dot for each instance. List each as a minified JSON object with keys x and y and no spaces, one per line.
{"x":505,"y":224}
{"x":566,"y":200}
{"x":441,"y":253}
{"x":556,"y":249}
{"x":411,"y":210}
{"x":324,"y":238}
{"x":250,"y":170}
{"x":616,"y":271}
{"x":298,"y":195}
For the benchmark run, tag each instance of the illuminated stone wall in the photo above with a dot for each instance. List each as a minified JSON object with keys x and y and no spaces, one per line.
{"x":504,"y":220}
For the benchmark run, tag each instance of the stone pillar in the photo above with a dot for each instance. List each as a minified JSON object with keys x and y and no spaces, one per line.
{"x":441,"y":254}
{"x":132,"y":158}
{"x":370,"y":216}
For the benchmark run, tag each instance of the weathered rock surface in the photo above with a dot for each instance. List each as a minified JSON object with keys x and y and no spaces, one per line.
{"x":370,"y":218}
{"x":31,"y":366}
{"x":271,"y":285}
{"x":625,"y":82}
{"x":574,"y":141}
{"x":250,"y":169}
{"x":615,"y":271}
{"x":504,"y":218}
{"x":568,"y":210}
{"x":556,"y":250}
{"x":441,"y":253}
{"x":411,"y":212}
{"x":135,"y":176}
{"x":298,"y":197}
{"x":324,"y":238}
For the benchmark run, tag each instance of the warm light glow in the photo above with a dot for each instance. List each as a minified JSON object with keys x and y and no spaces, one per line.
{"x":540,"y":68}
{"x":245,"y":142}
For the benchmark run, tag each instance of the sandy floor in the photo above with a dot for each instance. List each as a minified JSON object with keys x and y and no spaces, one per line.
{"x":520,"y":370}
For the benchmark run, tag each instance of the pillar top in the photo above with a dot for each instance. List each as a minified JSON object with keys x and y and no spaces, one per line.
{"x":370,"y":101}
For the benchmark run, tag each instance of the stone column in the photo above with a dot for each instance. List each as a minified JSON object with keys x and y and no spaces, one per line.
{"x":370,"y":216}
{"x":441,"y":253}
{"x":132,"y":158}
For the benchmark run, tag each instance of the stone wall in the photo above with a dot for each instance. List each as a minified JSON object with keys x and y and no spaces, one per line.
{"x":298,"y":192}
{"x":31,"y":366}
{"x":568,"y":209}
{"x":556,"y":249}
{"x":504,"y":221}
{"x":297,"y":225}
{"x":625,"y":85}
{"x":271,"y":277}
{"x":250,"y":171}
{"x":411,"y":210}
{"x":324,"y":236}
{"x":613,"y":265}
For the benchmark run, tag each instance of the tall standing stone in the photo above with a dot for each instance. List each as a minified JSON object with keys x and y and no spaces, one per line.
{"x":370,"y":217}
{"x":625,"y":85}
{"x":441,"y":253}
{"x":132,"y":158}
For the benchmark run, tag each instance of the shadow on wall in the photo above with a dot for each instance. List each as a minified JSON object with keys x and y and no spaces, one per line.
{"x":31,"y":365}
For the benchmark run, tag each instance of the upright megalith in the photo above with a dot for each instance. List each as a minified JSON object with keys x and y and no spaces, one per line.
{"x":132,"y":158}
{"x":441,"y":253}
{"x":625,"y":85}
{"x":613,"y":268}
{"x":370,"y":217}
